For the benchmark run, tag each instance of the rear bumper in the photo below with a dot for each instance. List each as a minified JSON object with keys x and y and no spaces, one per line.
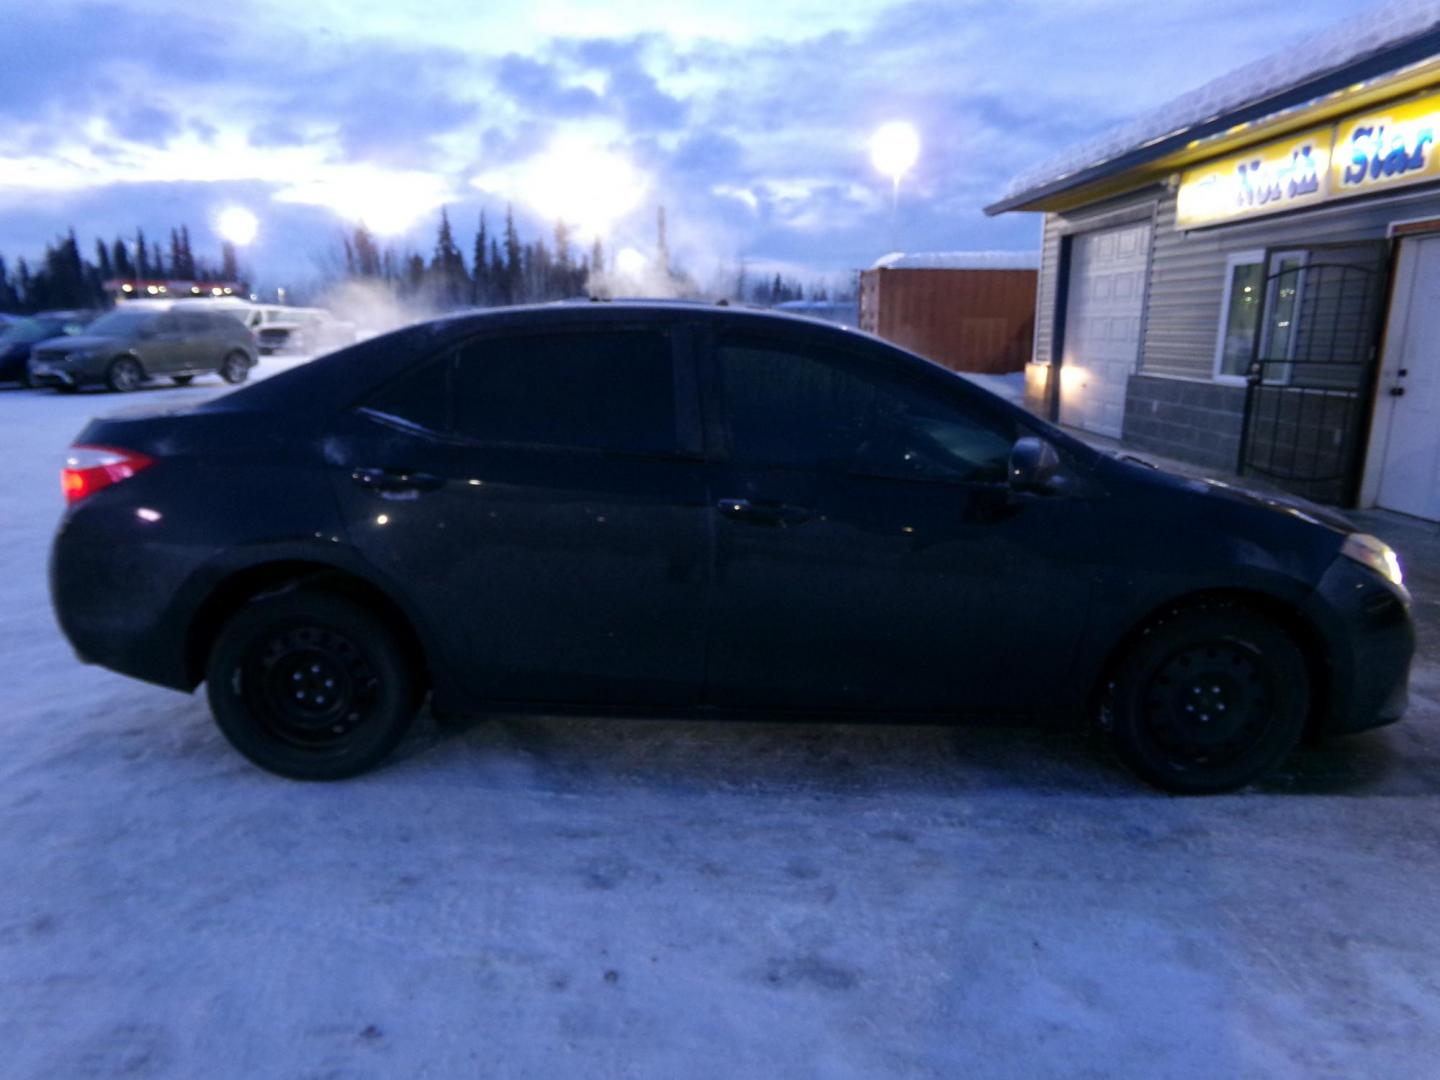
{"x":111,"y":601}
{"x":1369,"y":641}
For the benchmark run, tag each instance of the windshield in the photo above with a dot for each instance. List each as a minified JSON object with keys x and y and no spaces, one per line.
{"x":121,"y":323}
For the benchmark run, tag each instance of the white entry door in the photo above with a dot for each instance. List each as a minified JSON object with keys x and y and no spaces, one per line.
{"x":1407,"y":425}
{"x":1102,"y":326}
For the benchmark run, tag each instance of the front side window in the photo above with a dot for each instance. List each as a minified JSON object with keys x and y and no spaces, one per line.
{"x":802,"y":408}
{"x":598,"y":390}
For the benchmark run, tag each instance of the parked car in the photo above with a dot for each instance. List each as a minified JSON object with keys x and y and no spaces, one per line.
{"x":308,"y":330}
{"x":679,"y":509}
{"x":125,"y":347}
{"x":19,"y":336}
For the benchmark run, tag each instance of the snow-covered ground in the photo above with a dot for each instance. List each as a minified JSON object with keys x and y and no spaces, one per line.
{"x":554,"y":898}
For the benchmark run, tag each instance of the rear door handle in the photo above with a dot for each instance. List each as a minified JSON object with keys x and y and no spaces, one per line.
{"x":762,"y":511}
{"x":395,"y":480}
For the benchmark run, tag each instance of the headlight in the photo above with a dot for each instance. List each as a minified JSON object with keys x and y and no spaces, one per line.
{"x":1376,"y":554}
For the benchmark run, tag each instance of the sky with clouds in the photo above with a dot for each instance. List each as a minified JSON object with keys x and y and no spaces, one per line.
{"x":748,"y":120}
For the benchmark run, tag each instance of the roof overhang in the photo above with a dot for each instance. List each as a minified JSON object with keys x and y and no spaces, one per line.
{"x":1399,"y":70}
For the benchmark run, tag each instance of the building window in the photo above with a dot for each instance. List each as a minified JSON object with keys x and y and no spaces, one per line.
{"x":1241,"y":317}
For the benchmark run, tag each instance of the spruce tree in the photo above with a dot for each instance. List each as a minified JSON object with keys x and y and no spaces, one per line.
{"x":513,"y":270}
{"x":120,"y":257}
{"x":480,"y":282}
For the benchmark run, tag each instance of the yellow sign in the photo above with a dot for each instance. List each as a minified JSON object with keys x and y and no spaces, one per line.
{"x":1266,"y":179}
{"x":1372,"y":151}
{"x":1386,"y":148}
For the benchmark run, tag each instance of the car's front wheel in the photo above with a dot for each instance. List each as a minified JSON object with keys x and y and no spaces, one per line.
{"x":124,"y":374}
{"x":235,"y":368}
{"x":1208,"y":699}
{"x":310,"y":685}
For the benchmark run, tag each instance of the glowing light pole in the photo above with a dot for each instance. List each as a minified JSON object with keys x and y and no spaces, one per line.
{"x":237,"y":225}
{"x":894,"y":149}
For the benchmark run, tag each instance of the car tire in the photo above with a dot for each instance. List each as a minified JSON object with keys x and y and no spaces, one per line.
{"x":181,"y":380}
{"x":235,"y":368}
{"x":1208,"y":699}
{"x":310,"y":685}
{"x":124,"y":374}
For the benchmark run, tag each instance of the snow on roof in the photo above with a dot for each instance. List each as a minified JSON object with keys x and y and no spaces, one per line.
{"x":959,"y":260}
{"x":1371,"y":32}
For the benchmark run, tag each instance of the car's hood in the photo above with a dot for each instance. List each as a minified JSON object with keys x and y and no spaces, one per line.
{"x":1235,"y":490}
{"x":77,"y":343}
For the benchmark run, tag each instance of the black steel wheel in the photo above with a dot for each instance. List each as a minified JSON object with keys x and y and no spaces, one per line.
{"x":310,"y":685}
{"x":1209,"y":699}
{"x":124,"y":374}
{"x":235,"y":368}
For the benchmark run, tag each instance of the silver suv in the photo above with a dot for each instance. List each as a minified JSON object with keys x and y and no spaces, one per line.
{"x":124,"y":348}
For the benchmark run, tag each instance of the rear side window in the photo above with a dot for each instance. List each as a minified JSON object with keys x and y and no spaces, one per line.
{"x":611,"y":390}
{"x":417,"y":397}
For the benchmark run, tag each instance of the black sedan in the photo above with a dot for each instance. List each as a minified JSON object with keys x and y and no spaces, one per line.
{"x":19,"y":337}
{"x":673,"y":508}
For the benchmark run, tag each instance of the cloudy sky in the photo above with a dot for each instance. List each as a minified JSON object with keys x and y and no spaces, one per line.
{"x":747,"y":119}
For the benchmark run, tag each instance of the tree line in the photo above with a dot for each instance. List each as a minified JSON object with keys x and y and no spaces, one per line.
{"x":501,"y":269}
{"x":64,"y":278}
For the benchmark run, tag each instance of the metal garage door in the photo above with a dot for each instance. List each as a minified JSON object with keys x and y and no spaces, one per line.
{"x":1102,"y":326}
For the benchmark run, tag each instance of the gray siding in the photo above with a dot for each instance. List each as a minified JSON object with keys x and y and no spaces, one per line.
{"x":1187,"y":271}
{"x":1047,"y":288}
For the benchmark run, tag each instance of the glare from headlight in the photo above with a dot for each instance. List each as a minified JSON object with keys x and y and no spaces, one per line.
{"x":1376,"y":554}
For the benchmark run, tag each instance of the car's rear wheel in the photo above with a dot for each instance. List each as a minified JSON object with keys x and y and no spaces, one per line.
{"x":235,"y":368}
{"x":181,"y":380}
{"x":124,"y":374}
{"x":310,"y":685}
{"x":1209,"y":699}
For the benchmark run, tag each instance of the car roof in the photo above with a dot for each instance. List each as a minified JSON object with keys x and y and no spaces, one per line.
{"x":640,"y":310}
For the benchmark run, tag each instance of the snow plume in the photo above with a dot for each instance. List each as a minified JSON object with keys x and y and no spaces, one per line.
{"x":374,"y":307}
{"x":635,"y":274}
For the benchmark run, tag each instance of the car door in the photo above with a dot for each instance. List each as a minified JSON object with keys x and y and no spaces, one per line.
{"x":161,"y":347}
{"x":540,"y":499}
{"x":197,"y":345}
{"x":869,"y":553}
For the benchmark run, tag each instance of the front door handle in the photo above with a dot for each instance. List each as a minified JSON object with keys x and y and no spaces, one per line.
{"x":395,"y":480}
{"x":762,"y":511}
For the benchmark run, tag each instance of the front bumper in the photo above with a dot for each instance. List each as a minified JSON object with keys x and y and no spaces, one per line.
{"x":1369,"y":643}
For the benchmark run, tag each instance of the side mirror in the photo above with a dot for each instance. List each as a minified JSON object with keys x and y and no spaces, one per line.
{"x":1034,"y":465}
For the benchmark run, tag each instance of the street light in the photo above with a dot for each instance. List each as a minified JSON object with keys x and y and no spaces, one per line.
{"x":894,"y":149}
{"x":237,"y":225}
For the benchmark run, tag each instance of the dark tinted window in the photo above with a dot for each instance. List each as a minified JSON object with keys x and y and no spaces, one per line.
{"x":818,"y":408}
{"x":596,"y":390}
{"x":417,"y":397}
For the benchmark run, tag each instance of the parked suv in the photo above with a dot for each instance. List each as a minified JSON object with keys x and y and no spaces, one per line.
{"x":20,"y":336}
{"x":681,"y":509}
{"x":122,"y":349}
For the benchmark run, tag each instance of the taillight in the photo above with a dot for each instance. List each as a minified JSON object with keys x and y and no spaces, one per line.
{"x":90,"y":468}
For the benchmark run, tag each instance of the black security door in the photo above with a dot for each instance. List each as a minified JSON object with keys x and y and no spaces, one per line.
{"x":1312,"y":370}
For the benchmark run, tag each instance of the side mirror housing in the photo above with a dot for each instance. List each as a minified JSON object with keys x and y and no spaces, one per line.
{"x":1034,"y":465}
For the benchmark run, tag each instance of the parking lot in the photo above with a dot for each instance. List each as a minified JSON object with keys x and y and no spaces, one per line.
{"x":551,"y":897}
